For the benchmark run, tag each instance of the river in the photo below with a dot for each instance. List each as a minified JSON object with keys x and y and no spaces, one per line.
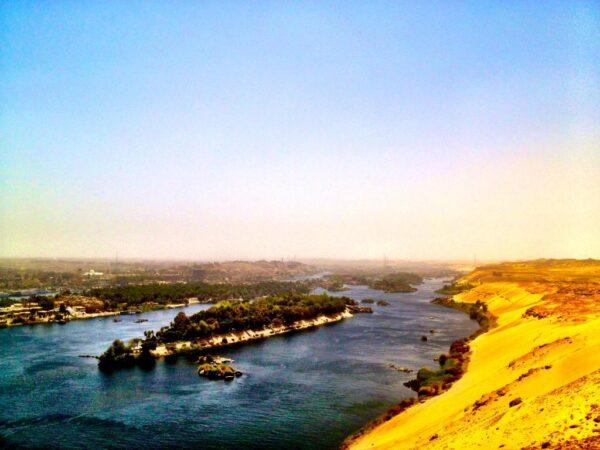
{"x":310,"y":389}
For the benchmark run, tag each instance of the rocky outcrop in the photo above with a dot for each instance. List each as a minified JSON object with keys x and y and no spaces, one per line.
{"x":359,"y":309}
{"x":218,"y":371}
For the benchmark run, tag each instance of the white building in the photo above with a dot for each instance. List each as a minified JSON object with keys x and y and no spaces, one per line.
{"x":92,"y":273}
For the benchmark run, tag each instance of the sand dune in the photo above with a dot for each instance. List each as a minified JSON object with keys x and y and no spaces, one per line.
{"x":543,"y":358}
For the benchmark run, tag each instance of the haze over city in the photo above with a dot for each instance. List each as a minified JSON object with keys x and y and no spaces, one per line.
{"x":210,"y":131}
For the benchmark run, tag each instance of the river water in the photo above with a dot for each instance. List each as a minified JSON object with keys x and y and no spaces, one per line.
{"x":310,"y":389}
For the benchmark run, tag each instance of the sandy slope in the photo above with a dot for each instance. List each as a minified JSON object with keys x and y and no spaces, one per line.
{"x":544,"y":351}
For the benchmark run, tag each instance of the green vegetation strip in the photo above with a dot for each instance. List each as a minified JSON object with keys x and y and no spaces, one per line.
{"x":163,"y":294}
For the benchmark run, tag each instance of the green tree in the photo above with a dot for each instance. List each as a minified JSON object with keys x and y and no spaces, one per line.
{"x":47,"y":303}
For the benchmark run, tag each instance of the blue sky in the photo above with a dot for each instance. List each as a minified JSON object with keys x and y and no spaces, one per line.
{"x":215,"y":130}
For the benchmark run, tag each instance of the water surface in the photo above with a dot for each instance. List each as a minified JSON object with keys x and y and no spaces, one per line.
{"x":305,"y":390}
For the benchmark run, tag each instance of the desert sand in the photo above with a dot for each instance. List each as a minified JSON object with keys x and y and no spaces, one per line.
{"x":533,"y":381}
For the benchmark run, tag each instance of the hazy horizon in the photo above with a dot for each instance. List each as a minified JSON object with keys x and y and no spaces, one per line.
{"x":308,"y":261}
{"x":220,"y":131}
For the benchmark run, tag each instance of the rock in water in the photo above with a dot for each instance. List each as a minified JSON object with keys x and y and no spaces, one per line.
{"x":217,"y":371}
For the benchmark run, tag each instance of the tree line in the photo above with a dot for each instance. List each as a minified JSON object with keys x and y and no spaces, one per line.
{"x":136,"y":295}
{"x":236,"y":316}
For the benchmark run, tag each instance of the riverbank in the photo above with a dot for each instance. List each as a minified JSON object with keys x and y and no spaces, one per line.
{"x":64,"y":317}
{"x":452,"y":365}
{"x":223,"y":340}
{"x":50,"y":320}
{"x":531,"y":381}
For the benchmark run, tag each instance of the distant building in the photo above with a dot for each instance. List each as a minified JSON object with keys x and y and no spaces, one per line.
{"x":92,"y":273}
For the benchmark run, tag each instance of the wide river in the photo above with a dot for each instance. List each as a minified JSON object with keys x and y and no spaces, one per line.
{"x":310,"y":389}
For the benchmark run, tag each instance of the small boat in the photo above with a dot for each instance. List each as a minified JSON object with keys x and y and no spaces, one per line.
{"x":141,"y":320}
{"x":116,"y":319}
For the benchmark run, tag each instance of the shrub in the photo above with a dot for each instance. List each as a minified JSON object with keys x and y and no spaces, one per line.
{"x":515,"y":402}
{"x":443,"y":359}
{"x":47,"y":303}
{"x":117,"y":356}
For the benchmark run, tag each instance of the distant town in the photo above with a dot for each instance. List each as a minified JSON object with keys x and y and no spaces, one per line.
{"x":34,"y":291}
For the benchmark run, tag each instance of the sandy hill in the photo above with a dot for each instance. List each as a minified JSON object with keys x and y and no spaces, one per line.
{"x":533,"y":381}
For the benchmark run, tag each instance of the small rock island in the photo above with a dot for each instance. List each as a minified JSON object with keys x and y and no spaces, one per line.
{"x":216,"y":368}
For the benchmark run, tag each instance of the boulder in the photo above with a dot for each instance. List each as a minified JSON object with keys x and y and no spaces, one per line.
{"x":427,"y":391}
{"x":515,"y":402}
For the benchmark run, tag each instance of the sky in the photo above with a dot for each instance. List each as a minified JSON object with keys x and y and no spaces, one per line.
{"x":243,"y":130}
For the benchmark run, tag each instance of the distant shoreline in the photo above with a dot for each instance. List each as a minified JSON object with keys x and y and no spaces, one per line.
{"x":87,"y":316}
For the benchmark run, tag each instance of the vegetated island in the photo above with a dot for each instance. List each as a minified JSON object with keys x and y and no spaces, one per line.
{"x":135,"y":299}
{"x":396,"y":282}
{"x":390,"y":282}
{"x":533,"y":380}
{"x":227,"y":323}
{"x":217,"y":368}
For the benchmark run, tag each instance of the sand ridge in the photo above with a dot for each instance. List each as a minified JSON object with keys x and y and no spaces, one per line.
{"x":533,"y":381}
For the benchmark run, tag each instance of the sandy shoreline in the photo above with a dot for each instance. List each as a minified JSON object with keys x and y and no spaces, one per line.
{"x":531,"y":380}
{"x":223,"y":340}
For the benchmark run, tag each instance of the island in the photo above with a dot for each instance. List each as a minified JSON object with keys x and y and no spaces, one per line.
{"x":386,"y":280}
{"x":217,"y":371}
{"x":226,"y":323}
{"x":217,"y":368}
{"x":396,"y":282}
